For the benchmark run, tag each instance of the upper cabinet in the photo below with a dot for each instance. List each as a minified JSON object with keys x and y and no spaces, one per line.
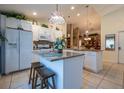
{"x":42,"y":33}
{"x":26,"y":25}
{"x":49,"y":34}
{"x":16,"y":23}
{"x":12,"y":22}
{"x":35,"y":30}
{"x":39,"y":33}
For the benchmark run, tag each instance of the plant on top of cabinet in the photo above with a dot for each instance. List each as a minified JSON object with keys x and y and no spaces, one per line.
{"x":20,"y":28}
{"x":44,"y":25}
{"x":13,"y":14}
{"x":57,"y":28}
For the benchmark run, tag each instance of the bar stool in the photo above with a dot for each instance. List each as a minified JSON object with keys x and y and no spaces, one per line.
{"x":34,"y":65}
{"x":45,"y":76}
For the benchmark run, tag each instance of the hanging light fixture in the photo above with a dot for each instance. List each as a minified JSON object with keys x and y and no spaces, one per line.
{"x":87,"y":28}
{"x":56,"y":17}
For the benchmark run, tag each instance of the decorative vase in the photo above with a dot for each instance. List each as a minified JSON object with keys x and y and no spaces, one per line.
{"x":60,"y":50}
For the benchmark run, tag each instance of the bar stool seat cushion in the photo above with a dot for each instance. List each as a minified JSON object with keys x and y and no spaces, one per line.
{"x":45,"y":72}
{"x":36,"y":65}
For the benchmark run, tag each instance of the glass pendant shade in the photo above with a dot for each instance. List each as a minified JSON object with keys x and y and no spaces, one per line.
{"x":56,"y":18}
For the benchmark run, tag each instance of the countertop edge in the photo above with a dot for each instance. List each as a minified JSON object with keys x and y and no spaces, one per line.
{"x":62,"y":58}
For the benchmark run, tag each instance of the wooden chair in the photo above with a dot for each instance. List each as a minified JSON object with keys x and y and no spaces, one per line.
{"x":45,"y":76}
{"x":34,"y":65}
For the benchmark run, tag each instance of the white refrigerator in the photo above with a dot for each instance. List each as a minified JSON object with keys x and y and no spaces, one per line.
{"x":18,"y":50}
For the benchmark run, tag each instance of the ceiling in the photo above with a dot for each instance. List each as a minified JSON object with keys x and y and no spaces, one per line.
{"x":96,"y":11}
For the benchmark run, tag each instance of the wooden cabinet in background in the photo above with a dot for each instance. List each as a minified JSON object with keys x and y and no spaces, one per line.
{"x":69,"y":35}
{"x":76,"y":37}
{"x":72,"y":36}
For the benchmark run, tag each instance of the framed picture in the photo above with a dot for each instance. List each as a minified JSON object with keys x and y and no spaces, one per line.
{"x":110,"y":42}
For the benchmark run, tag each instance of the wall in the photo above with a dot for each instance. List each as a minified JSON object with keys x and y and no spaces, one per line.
{"x":112,"y":23}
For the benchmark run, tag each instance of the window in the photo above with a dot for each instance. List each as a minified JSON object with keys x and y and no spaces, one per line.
{"x":110,"y":42}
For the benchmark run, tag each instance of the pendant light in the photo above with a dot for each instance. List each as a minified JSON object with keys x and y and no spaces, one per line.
{"x":87,"y":28}
{"x":56,"y":17}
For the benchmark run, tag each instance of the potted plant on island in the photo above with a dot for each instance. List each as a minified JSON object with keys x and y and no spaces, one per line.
{"x":59,"y":44}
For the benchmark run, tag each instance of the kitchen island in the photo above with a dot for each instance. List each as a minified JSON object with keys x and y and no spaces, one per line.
{"x":93,"y":59}
{"x":68,"y":67}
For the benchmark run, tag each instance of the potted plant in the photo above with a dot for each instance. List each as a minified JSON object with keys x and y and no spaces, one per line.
{"x":59,"y":44}
{"x":44,"y":25}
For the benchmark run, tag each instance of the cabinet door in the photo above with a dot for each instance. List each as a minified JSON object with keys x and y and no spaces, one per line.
{"x":26,"y":25}
{"x":41,"y":34}
{"x":12,"y":22}
{"x":11,"y":50}
{"x":35,"y":30}
{"x":25,"y":49}
{"x":90,"y":61}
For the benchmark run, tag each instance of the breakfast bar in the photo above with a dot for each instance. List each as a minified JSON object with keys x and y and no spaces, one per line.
{"x":68,"y":67}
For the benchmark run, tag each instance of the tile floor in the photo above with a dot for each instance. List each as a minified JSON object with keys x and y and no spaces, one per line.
{"x":109,"y":78}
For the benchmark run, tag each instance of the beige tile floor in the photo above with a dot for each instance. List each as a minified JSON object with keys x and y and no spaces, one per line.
{"x":109,"y":78}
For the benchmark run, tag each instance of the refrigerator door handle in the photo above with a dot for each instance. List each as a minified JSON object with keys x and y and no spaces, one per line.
{"x":13,"y":44}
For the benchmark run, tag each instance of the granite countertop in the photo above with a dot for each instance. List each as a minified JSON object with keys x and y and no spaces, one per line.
{"x":54,"y":56}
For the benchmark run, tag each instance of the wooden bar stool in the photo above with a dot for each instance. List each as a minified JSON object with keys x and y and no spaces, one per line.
{"x":45,"y":76}
{"x":34,"y":65}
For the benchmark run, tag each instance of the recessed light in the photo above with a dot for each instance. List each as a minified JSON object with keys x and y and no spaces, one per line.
{"x":78,"y":14}
{"x":72,"y":8}
{"x":34,"y":13}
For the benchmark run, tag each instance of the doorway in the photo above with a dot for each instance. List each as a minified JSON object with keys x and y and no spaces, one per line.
{"x":121,"y":47}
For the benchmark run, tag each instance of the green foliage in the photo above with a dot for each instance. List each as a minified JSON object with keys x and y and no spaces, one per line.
{"x":44,"y":25}
{"x":59,"y":43}
{"x":13,"y":14}
{"x":57,"y":28}
{"x":2,"y":38}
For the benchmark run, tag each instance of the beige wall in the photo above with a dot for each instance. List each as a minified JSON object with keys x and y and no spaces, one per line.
{"x":111,"y":23}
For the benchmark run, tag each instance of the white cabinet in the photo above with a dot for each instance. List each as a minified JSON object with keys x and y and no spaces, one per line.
{"x":35,"y":30}
{"x":26,"y":25}
{"x":42,"y":33}
{"x":12,"y":22}
{"x":15,"y":23}
{"x":91,"y":61}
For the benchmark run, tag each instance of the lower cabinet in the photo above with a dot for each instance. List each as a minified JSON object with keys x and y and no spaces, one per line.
{"x":93,"y":61}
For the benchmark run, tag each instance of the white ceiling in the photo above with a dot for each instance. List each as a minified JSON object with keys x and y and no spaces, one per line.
{"x":44,"y":11}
